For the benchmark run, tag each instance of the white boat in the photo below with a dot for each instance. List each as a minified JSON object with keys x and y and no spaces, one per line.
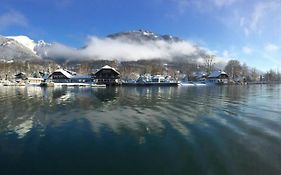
{"x":200,"y":83}
{"x":72,"y":84}
{"x":80,"y":84}
{"x":188,"y":83}
{"x":193,"y":83}
{"x":148,"y":80}
{"x":34,"y":81}
{"x":98,"y":85}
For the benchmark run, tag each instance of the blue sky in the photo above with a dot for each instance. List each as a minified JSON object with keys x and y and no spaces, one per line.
{"x":234,"y":29}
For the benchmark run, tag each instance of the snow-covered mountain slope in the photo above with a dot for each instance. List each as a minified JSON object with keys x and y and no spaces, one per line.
{"x":142,"y":36}
{"x":41,"y":48}
{"x":131,"y":45}
{"x":24,"y":40}
{"x":12,"y":49}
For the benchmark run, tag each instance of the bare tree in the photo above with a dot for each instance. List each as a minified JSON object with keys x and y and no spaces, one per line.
{"x":209,"y":63}
{"x":233,"y":68}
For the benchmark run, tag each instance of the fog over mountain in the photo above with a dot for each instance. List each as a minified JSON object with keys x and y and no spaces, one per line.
{"x":128,"y":46}
{"x":122,"y":46}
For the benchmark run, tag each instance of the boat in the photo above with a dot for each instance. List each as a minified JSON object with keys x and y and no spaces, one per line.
{"x":52,"y":84}
{"x":200,"y":83}
{"x":72,"y":84}
{"x":187,"y":83}
{"x":156,"y":80}
{"x":34,"y":81}
{"x":98,"y":85}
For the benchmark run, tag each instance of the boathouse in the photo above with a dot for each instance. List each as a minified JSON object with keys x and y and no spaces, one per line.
{"x":218,"y":77}
{"x":34,"y":81}
{"x":21,"y":76}
{"x":107,"y":75}
{"x":67,"y":76}
{"x":199,"y":76}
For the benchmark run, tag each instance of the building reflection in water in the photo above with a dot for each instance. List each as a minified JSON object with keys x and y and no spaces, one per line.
{"x":138,"y":109}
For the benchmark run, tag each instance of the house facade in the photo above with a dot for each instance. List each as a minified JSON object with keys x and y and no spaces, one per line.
{"x":20,"y":76}
{"x":67,"y":76}
{"x":218,"y":77}
{"x":107,"y":75}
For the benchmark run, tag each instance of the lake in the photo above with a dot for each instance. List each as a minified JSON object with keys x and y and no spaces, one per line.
{"x":141,"y":130}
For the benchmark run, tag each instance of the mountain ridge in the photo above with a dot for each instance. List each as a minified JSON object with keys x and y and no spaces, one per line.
{"x":23,"y":47}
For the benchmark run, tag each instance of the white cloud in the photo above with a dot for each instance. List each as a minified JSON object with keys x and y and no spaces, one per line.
{"x":263,"y":12}
{"x":122,"y":49}
{"x":202,"y":6}
{"x":12,"y":18}
{"x":226,"y":54}
{"x":221,"y":3}
{"x":247,"y":50}
{"x":271,"y":48}
{"x":182,"y":5}
{"x":127,"y":50}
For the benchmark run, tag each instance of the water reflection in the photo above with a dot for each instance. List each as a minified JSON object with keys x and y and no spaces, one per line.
{"x":213,"y":122}
{"x":135,"y":108}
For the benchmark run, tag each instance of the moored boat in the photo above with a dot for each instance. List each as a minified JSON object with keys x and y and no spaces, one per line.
{"x":187,"y":83}
{"x":156,"y":80}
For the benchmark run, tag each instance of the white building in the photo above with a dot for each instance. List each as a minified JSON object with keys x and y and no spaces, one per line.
{"x":218,"y":77}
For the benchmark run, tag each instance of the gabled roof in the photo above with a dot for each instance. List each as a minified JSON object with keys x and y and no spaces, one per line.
{"x":108,"y":67}
{"x":68,"y":74}
{"x":71,"y":74}
{"x":21,"y":73}
{"x":217,"y":73}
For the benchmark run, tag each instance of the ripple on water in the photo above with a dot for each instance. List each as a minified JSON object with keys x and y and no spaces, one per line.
{"x":219,"y":130}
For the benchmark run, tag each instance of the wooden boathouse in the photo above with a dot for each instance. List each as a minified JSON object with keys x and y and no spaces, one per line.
{"x":107,"y":75}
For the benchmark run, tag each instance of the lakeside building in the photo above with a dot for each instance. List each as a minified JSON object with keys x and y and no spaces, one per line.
{"x":149,"y":80}
{"x":218,"y":77}
{"x":67,"y":76}
{"x":199,"y":76}
{"x":108,"y":76}
{"x":34,"y":81}
{"x":20,"y":79}
{"x":20,"y":76}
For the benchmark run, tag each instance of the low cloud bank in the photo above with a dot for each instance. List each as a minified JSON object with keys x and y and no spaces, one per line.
{"x":123,"y":49}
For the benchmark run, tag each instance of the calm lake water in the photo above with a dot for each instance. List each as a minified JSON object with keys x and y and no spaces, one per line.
{"x":138,"y":130}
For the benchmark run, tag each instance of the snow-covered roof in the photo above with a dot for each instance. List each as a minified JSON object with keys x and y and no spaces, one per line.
{"x":216,"y":74}
{"x":71,"y":74}
{"x":64,"y":72}
{"x":108,"y":67}
{"x":21,"y":73}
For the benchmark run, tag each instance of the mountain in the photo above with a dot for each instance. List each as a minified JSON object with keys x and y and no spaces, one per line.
{"x":143,"y":36}
{"x":12,"y":48}
{"x":41,"y":48}
{"x":131,"y":45}
{"x":24,"y":40}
